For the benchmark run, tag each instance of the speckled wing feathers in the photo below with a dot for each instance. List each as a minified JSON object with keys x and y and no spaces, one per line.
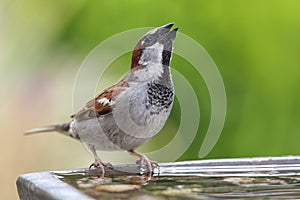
{"x":101,"y":104}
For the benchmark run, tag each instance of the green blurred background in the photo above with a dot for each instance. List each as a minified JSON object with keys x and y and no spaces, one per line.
{"x":255,"y":45}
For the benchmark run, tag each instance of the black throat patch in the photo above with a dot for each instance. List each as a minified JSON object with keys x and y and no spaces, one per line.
{"x":166,"y":57}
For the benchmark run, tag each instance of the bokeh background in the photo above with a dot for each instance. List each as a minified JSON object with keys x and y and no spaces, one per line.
{"x":255,"y":44}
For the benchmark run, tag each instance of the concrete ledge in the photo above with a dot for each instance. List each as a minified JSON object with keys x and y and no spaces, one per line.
{"x":46,"y":186}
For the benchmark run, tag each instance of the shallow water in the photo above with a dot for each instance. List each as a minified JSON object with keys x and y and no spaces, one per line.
{"x":184,"y":187}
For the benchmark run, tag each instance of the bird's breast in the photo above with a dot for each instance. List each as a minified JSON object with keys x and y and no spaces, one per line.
{"x":138,"y":114}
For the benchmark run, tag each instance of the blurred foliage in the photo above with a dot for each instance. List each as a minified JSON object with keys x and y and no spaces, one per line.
{"x":255,"y":44}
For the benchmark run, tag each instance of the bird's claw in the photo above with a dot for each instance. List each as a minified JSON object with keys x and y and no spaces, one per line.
{"x":108,"y":165}
{"x":100,"y":164}
{"x":151,"y":165}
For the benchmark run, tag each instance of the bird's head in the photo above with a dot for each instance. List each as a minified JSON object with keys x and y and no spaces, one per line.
{"x":154,"y":50}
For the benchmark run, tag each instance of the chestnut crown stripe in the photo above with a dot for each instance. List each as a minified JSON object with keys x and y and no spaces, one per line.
{"x":136,"y":55}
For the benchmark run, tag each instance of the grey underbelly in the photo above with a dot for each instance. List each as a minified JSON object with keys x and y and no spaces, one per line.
{"x":121,"y":129}
{"x":103,"y":134}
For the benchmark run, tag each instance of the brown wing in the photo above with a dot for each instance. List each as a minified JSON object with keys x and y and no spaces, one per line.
{"x":101,"y":104}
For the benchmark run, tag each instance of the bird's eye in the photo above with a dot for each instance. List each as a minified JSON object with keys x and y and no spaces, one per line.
{"x":149,"y":40}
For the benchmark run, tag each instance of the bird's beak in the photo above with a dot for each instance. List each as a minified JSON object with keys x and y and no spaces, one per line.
{"x":165,"y":34}
{"x":168,"y":26}
{"x":165,"y":28}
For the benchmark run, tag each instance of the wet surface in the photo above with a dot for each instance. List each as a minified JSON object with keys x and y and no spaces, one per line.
{"x":134,"y":186}
{"x":231,"y":178}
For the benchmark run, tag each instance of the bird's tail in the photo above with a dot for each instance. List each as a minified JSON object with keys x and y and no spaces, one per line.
{"x":61,"y":128}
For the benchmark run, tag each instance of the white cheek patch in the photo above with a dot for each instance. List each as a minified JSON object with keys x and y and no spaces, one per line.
{"x":152,"y":60}
{"x":151,"y":72}
{"x":152,"y":54}
{"x":104,"y":101}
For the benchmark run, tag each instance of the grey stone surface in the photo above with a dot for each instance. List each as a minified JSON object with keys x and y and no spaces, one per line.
{"x":46,"y":186}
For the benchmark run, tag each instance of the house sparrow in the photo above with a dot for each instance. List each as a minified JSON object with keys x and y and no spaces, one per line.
{"x":132,"y":111}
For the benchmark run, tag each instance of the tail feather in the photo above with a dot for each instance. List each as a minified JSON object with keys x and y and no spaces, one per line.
{"x":61,"y":128}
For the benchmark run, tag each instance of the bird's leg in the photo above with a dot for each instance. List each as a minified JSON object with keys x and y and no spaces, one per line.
{"x":98,"y":162}
{"x":143,"y":159}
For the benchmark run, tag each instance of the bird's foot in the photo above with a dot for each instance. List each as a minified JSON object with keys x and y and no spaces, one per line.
{"x":152,"y":166}
{"x":150,"y":163}
{"x":102,"y":165}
